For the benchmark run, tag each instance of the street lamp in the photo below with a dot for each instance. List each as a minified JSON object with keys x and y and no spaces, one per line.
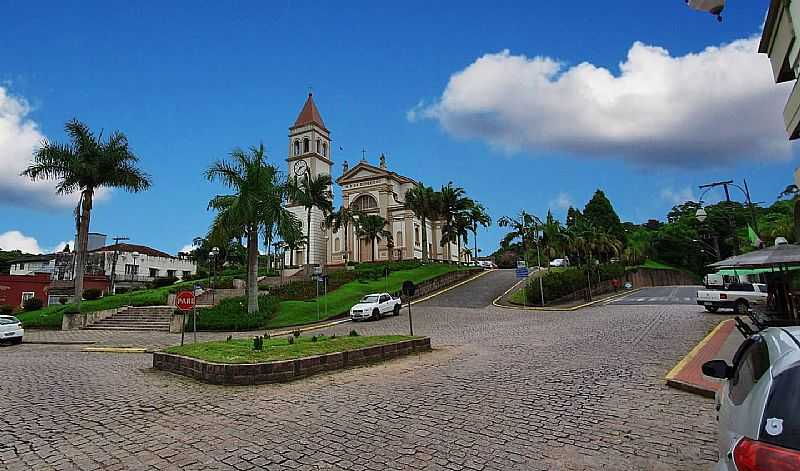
{"x":213,"y":257}
{"x":701,"y":215}
{"x":134,"y":276}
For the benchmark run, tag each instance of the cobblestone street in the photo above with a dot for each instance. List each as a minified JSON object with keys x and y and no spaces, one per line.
{"x":503,"y":389}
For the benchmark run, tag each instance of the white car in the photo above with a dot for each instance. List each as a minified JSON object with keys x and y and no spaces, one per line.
{"x":559,"y":262}
{"x":758,"y":405}
{"x":736,"y":296}
{"x":11,"y":330}
{"x":375,"y":306}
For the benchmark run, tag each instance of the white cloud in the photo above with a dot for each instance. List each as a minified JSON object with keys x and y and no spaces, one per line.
{"x":678,"y":196}
{"x":16,"y":240}
{"x":187,"y":248}
{"x":701,"y":109}
{"x":562,"y":201}
{"x":19,"y":137}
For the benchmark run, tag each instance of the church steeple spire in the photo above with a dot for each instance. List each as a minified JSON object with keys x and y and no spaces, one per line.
{"x":309,"y":114}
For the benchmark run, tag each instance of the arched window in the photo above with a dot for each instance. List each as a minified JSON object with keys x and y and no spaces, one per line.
{"x":296,"y":147}
{"x":399,"y":239}
{"x":319,"y":146}
{"x":306,"y":144}
{"x":416,"y":235}
{"x":365,"y":203}
{"x":324,"y":149}
{"x":336,"y":247}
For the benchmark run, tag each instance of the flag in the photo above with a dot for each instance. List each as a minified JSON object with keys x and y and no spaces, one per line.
{"x":751,"y":234}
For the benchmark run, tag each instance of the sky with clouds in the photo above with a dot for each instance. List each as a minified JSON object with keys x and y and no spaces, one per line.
{"x":526,"y":106}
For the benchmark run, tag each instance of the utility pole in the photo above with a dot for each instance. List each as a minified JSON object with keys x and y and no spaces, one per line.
{"x":116,"y":240}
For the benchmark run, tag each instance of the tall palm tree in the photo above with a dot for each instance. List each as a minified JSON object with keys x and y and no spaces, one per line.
{"x":258,"y":196}
{"x":521,"y":227}
{"x":453,"y":205}
{"x":554,"y":239}
{"x":477,"y":215}
{"x":87,"y":164}
{"x":421,"y":200}
{"x":312,"y":192}
{"x":344,"y":217}
{"x":372,"y":228}
{"x":294,"y":239}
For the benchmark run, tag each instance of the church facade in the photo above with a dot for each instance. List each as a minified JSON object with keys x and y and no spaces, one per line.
{"x":372,"y":189}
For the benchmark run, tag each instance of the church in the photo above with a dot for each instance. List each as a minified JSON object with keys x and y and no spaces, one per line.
{"x":372,"y":189}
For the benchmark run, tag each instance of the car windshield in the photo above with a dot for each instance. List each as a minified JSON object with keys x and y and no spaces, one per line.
{"x":372,"y":298}
{"x":8,"y":320}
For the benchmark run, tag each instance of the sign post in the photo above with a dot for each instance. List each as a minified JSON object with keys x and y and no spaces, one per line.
{"x":408,"y":290}
{"x":522,"y":274}
{"x":185,"y":301}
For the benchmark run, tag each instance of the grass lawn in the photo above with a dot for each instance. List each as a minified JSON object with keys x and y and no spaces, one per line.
{"x":657,"y":265}
{"x":340,"y":301}
{"x":241,"y":351}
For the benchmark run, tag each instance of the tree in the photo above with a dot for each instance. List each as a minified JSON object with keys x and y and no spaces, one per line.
{"x":258,"y":196}
{"x":312,"y":192}
{"x":294,"y":239}
{"x":344,"y":217}
{"x":477,"y":215}
{"x":573,"y":216}
{"x":521,"y":227}
{"x":422,"y":201}
{"x":452,"y":208}
{"x":371,"y":227}
{"x":601,"y":214}
{"x":87,"y":164}
{"x":554,"y":240}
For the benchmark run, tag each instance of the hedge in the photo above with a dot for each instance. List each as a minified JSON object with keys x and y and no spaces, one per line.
{"x":560,"y":283}
{"x":231,"y":314}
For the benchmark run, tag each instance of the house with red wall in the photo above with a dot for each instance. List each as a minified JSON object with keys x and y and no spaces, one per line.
{"x":16,"y":289}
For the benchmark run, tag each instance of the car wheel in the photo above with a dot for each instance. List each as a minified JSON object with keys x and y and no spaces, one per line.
{"x":396,"y":310}
{"x":376,"y":314}
{"x":741,"y":307}
{"x":712,"y":308}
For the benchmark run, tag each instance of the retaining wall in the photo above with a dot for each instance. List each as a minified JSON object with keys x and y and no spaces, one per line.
{"x":281,"y":371}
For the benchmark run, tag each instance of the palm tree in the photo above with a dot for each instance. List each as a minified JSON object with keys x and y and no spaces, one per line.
{"x":294,"y":239}
{"x":477,"y":215}
{"x":371,"y":227}
{"x":312,"y":192}
{"x":344,"y":217}
{"x":521,"y":227}
{"x":87,"y":164}
{"x":421,"y":200}
{"x":258,"y":196}
{"x":453,"y":204}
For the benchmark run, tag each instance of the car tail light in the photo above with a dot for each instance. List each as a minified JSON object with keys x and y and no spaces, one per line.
{"x":723,"y":296}
{"x":751,"y":455}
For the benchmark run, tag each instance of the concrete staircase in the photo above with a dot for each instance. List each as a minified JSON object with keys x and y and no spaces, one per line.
{"x":147,"y":318}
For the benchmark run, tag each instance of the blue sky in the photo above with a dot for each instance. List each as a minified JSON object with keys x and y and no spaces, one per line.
{"x":188,"y":81}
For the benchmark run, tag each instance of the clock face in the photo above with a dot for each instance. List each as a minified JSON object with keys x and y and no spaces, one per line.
{"x":300,"y":167}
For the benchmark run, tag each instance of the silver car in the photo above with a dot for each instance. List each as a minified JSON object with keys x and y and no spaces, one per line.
{"x":759,"y":403}
{"x":11,"y":330}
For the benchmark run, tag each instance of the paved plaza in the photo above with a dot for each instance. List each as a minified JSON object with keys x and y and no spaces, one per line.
{"x":503,"y":390}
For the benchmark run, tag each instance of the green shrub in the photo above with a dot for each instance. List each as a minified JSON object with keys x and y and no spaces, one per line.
{"x":353,"y":333}
{"x":560,"y":283}
{"x":90,"y":294}
{"x":291,"y":340}
{"x":6,"y":309}
{"x":161,"y":282}
{"x":32,"y":304}
{"x":314,"y":338}
{"x":72,"y":309}
{"x":258,"y":343}
{"x":296,"y":333}
{"x":231,"y":314}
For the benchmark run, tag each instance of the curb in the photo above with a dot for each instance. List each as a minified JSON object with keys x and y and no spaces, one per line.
{"x":614,"y":297}
{"x":672,"y":375}
{"x":59,"y":342}
{"x":115,"y":350}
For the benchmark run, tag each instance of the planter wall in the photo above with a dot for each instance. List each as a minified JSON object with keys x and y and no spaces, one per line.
{"x":281,"y":371}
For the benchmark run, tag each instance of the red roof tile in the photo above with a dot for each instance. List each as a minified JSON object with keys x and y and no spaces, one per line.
{"x":309,"y":114}
{"x":142,"y":249}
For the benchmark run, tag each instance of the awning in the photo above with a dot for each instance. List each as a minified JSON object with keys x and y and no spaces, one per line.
{"x":752,"y":271}
{"x":776,"y":256}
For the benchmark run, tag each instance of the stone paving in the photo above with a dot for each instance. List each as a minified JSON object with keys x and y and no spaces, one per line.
{"x":504,"y":389}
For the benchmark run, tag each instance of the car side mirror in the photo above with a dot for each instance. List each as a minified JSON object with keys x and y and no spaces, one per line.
{"x":717,"y":369}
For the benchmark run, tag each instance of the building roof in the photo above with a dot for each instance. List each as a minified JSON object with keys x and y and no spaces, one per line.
{"x":34,"y":258}
{"x":129,"y":248}
{"x":775,"y":256}
{"x":382,"y":172}
{"x":309,"y":115}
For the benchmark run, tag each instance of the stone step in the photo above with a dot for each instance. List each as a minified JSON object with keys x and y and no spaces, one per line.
{"x":128,"y":327}
{"x":116,"y":323}
{"x":128,"y":316}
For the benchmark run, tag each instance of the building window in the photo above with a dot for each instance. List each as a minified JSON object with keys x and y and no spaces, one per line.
{"x":399,"y":238}
{"x":21,"y":266}
{"x":296,"y":147}
{"x":365,"y":203}
{"x":336,"y":244}
{"x":170,"y":273}
{"x":131,"y":269}
{"x":26,"y":295}
{"x":324,"y":149}
{"x":306,"y":145}
{"x":153,"y":272}
{"x":416,"y":235}
{"x":186,"y":273}
{"x":319,"y":146}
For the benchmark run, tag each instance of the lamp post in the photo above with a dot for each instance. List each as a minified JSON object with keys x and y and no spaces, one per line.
{"x":213,"y":260}
{"x":134,"y":276}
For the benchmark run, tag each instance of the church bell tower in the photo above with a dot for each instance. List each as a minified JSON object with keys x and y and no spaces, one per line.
{"x":309,"y":152}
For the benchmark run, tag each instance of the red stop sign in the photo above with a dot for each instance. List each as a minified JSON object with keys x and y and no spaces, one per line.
{"x":185,"y":300}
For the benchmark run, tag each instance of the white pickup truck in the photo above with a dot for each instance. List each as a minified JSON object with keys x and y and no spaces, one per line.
{"x":736,"y":296}
{"x":375,"y":306}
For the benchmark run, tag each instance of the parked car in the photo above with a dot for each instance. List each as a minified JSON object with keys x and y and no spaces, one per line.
{"x":559,"y":262}
{"x":736,"y":296}
{"x":11,"y":330}
{"x":487,"y":264}
{"x":758,"y":405}
{"x":375,"y":306}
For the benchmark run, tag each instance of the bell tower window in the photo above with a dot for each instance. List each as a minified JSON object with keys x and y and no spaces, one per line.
{"x":296,"y":147}
{"x":306,"y":145}
{"x":324,"y":149}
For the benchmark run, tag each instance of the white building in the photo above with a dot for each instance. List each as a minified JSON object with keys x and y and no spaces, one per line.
{"x":138,"y":263}
{"x":33,"y":264}
{"x":371,"y":189}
